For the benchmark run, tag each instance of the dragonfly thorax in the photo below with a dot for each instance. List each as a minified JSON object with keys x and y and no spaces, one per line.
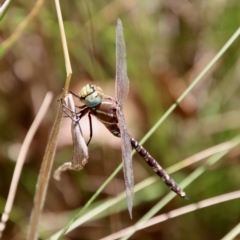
{"x":91,"y":95}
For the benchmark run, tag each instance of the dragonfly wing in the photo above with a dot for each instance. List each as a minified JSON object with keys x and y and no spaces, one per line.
{"x":80,"y":149}
{"x":122,"y":82}
{"x":127,"y":161}
{"x":121,"y":92}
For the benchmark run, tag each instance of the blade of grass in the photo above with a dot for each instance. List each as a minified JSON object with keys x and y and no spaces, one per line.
{"x":200,"y":156}
{"x":233,"y":233}
{"x":48,"y":158}
{"x":21,"y":158}
{"x":178,"y":212}
{"x":4,"y":8}
{"x":65,"y":48}
{"x":43,"y":178}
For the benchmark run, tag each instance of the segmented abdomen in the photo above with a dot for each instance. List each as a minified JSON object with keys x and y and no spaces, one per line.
{"x":157,"y":168}
{"x":106,"y":113}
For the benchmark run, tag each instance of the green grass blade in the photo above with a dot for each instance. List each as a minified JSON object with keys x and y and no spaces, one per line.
{"x":4,"y":8}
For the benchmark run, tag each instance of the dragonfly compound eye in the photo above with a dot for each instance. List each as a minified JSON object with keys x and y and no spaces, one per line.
{"x":91,"y":95}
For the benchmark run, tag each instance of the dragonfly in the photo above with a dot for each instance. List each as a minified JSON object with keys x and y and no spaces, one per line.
{"x":109,"y":111}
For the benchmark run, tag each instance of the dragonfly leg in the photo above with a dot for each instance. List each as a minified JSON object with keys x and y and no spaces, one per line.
{"x":70,"y":110}
{"x":81,"y":107}
{"x":68,"y":115}
{"x":80,"y":113}
{"x":66,"y":107}
{"x":90,"y":124}
{"x":75,"y":95}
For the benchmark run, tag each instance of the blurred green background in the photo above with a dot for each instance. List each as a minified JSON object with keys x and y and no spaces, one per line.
{"x":168,"y":44}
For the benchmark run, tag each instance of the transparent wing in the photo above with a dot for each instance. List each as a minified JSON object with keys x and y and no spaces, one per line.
{"x":122,"y":82}
{"x":127,"y":161}
{"x":80,"y":150}
{"x":121,"y":92}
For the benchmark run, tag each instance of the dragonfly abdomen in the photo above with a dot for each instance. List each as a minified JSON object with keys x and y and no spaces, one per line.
{"x":157,"y":168}
{"x":106,"y":113}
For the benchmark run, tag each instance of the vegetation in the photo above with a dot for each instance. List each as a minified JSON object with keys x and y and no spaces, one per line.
{"x":168,"y":45}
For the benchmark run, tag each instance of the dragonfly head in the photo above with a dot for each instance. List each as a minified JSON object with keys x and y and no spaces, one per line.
{"x":91,"y":95}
